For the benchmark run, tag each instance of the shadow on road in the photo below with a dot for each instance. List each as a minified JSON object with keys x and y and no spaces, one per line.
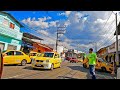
{"x":99,"y":74}
{"x":30,"y":68}
{"x":65,"y":77}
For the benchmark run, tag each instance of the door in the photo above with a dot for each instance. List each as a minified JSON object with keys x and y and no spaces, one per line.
{"x":9,"y":57}
{"x":18,"y":57}
{"x":11,"y":47}
{"x":2,"y":46}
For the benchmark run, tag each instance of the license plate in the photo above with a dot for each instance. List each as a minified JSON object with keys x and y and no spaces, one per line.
{"x":38,"y":65}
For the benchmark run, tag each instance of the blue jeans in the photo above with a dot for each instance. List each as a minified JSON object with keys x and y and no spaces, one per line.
{"x":92,"y":71}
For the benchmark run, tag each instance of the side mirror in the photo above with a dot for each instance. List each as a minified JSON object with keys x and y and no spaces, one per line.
{"x":4,"y":55}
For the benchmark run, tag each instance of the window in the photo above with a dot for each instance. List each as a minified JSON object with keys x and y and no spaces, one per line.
{"x":48,"y":55}
{"x":56,"y":55}
{"x":33,"y":54}
{"x":11,"y":47}
{"x":18,"y":53}
{"x":12,"y":25}
{"x":2,"y":46}
{"x":10,"y":53}
{"x":5,"y":22}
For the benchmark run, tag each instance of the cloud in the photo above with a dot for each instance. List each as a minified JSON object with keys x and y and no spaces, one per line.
{"x":41,"y":22}
{"x":67,"y":13}
{"x":81,"y":27}
{"x":43,"y":32}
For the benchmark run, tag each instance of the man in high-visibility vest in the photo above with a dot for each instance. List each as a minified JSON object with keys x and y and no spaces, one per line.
{"x":1,"y":64}
{"x":92,"y":59}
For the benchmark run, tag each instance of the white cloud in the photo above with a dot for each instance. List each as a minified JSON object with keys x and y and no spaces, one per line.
{"x":67,"y":13}
{"x":53,"y":23}
{"x":41,"y":22}
{"x":61,"y":14}
{"x":91,"y":28}
{"x":43,"y":32}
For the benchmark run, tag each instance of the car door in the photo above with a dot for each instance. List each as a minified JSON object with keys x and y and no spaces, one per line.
{"x":9,"y":57}
{"x":58,"y":60}
{"x":55,"y":60}
{"x":18,"y":57}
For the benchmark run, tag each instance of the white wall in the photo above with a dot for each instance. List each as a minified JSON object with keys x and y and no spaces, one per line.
{"x":60,"y":49}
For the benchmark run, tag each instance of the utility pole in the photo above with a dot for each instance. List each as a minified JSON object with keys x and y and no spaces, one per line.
{"x":60,"y":30}
{"x":117,"y":55}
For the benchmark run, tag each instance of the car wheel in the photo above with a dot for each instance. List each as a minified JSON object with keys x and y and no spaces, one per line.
{"x":84,"y":65}
{"x":103,"y":69}
{"x":23,"y":63}
{"x":52,"y":67}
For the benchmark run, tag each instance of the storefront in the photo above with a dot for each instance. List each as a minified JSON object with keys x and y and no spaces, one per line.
{"x":10,"y":35}
{"x":27,"y":43}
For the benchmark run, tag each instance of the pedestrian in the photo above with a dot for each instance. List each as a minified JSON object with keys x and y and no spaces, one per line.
{"x":92,"y":59}
{"x":1,"y":63}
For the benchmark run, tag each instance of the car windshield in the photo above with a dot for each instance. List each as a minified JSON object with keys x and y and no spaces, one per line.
{"x":33,"y":54}
{"x":48,"y":54}
{"x":39,"y":54}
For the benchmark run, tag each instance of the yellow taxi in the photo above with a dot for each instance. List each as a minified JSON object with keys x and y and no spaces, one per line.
{"x":101,"y":65}
{"x":49,"y":60}
{"x":15,"y":57}
{"x":33,"y":55}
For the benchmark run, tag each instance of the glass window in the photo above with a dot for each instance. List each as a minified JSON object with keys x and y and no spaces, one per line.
{"x":10,"y":53}
{"x":18,"y":53}
{"x":48,"y":54}
{"x":33,"y":54}
{"x":56,"y":55}
{"x":5,"y":22}
{"x":12,"y":25}
{"x":39,"y":54}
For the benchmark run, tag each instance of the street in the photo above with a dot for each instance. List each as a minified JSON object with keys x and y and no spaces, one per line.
{"x":67,"y":71}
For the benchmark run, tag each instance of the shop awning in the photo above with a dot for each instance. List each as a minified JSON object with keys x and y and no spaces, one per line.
{"x":29,"y":46}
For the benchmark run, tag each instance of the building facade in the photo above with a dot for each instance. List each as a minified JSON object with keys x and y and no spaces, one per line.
{"x":10,"y":35}
{"x":41,"y":48}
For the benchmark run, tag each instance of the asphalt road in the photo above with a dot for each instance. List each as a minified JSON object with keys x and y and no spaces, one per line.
{"x":67,"y":71}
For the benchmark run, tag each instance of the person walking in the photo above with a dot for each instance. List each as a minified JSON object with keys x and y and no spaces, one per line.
{"x":92,"y":59}
{"x":1,"y":64}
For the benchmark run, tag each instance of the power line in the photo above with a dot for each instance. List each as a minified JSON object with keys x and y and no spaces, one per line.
{"x":37,"y":32}
{"x":106,"y":33}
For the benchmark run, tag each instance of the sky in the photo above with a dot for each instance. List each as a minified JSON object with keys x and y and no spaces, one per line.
{"x":82,"y":28}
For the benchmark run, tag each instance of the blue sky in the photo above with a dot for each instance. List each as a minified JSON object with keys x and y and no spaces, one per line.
{"x":82,"y":27}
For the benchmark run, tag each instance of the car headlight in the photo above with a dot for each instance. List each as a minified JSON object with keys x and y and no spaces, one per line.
{"x":107,"y":64}
{"x":47,"y":60}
